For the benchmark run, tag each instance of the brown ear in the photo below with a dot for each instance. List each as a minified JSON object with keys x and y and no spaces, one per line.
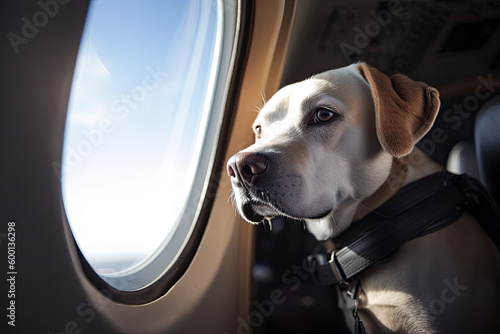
{"x":404,"y":109}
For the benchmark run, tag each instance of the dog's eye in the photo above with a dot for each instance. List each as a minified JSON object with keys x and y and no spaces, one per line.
{"x":258,"y":130}
{"x":323,"y":115}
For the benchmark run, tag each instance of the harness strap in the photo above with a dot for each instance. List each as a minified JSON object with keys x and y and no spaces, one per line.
{"x":420,"y":208}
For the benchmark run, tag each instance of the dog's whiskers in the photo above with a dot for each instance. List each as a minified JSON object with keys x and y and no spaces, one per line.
{"x":231,"y":198}
{"x":263,"y":96}
{"x":371,"y":210}
{"x":335,"y":224}
{"x":258,"y":106}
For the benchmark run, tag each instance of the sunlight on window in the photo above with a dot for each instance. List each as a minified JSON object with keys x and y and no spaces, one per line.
{"x":136,"y":124}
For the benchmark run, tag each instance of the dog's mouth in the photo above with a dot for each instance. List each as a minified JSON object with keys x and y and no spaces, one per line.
{"x":256,"y":209}
{"x":321,"y":215}
{"x":249,"y":213}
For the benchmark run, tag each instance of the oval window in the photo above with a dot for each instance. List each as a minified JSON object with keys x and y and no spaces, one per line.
{"x":138,"y":120}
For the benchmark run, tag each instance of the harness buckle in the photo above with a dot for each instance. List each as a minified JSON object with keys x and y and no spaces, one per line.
{"x":325,"y":272}
{"x":336,"y":271}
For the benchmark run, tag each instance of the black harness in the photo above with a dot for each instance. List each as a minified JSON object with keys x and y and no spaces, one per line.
{"x":420,"y":208}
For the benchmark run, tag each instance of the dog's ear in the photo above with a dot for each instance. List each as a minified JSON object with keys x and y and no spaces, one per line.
{"x":404,"y":109}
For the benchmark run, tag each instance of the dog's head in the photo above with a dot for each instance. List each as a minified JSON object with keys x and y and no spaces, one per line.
{"x":324,"y":144}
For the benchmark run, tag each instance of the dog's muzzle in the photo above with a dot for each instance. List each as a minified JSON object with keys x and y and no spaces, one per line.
{"x":246,"y":171}
{"x":263,"y":190}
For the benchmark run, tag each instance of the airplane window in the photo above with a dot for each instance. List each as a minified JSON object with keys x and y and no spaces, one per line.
{"x":136,"y":133}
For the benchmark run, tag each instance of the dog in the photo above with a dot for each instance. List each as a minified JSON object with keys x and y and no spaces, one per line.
{"x":334,"y":147}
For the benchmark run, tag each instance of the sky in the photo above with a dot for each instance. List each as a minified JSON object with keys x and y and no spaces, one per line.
{"x":136,"y":121}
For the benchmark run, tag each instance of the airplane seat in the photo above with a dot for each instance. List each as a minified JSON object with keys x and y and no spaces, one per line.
{"x":481,"y":159}
{"x":462,"y":159}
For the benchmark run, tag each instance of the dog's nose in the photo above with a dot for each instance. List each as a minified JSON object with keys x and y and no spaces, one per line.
{"x":247,"y":167}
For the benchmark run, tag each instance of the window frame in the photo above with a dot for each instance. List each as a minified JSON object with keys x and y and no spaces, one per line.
{"x":236,"y":35}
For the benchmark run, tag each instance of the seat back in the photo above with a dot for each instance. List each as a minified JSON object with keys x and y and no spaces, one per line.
{"x":487,"y":145}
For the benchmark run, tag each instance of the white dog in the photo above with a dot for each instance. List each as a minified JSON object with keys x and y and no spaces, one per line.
{"x":332,"y":148}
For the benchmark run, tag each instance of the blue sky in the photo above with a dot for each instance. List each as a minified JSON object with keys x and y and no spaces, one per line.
{"x":135,"y":123}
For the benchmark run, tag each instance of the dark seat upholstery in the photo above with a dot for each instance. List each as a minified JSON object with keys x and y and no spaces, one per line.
{"x":487,"y":144}
{"x":481,"y":159}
